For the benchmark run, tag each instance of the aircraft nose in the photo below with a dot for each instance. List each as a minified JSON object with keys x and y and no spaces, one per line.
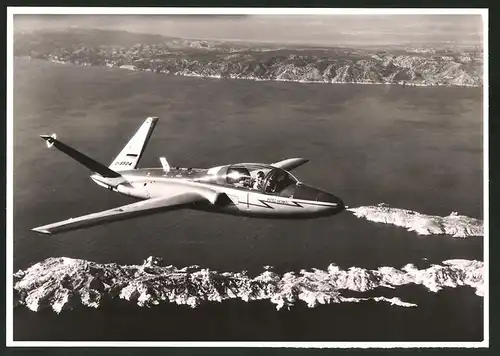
{"x":330,"y":198}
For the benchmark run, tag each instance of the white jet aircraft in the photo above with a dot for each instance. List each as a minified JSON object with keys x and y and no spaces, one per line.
{"x":248,"y":189}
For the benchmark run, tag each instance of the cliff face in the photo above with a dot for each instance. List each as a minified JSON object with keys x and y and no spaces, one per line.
{"x":63,"y":283}
{"x":412,"y":66}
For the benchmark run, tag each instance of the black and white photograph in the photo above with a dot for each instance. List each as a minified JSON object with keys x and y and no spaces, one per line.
{"x":247,"y":177}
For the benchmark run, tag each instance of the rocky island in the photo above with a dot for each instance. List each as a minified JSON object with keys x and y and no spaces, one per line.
{"x":64,"y":283}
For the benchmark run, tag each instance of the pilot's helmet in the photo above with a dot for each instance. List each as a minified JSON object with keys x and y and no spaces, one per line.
{"x":260,"y":174}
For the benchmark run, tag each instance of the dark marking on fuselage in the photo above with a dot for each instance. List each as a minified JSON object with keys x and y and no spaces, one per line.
{"x":283,"y":202}
{"x":268,"y":201}
{"x":320,"y":204}
{"x":262,"y":206}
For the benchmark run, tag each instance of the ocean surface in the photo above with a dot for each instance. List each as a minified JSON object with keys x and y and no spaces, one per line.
{"x":413,"y":148}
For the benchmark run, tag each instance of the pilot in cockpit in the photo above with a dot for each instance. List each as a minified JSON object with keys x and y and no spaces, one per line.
{"x":257,"y":184}
{"x":243,"y":182}
{"x":271,"y":185}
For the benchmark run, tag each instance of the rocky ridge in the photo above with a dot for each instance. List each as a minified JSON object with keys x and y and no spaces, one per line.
{"x":217,"y":59}
{"x":64,"y":283}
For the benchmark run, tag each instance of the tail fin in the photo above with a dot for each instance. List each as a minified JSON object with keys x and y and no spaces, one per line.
{"x":88,"y":162}
{"x":129,"y":157}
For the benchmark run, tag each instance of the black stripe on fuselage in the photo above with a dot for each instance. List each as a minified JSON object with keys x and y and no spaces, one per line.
{"x":265,"y":204}
{"x":260,"y":206}
{"x":327,"y":205}
{"x":292,"y":203}
{"x":131,"y":155}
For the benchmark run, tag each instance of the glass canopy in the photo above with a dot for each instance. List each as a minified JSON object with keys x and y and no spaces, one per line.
{"x":263,"y":178}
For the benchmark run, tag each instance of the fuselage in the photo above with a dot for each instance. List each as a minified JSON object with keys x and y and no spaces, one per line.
{"x":238,"y":193}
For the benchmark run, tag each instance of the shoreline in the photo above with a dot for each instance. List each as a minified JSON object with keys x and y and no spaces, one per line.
{"x":256,"y":79}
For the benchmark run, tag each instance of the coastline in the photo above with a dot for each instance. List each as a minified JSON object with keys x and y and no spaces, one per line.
{"x":257,"y":79}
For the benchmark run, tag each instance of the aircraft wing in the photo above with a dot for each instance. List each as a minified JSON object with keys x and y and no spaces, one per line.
{"x":290,"y":163}
{"x":145,"y":207}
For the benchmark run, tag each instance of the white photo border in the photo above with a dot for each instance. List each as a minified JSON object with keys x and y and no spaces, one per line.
{"x":11,"y":11}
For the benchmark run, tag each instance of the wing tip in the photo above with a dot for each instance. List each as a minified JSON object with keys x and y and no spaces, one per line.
{"x":49,"y":139}
{"x":153,"y":119}
{"x":42,"y":230}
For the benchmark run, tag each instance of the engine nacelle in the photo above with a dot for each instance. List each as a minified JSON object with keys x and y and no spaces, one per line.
{"x":130,"y":190}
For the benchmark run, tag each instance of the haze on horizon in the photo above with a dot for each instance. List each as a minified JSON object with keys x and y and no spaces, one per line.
{"x":323,"y":30}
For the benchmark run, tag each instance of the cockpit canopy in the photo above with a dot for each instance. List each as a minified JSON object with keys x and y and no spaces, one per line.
{"x":266,"y":179}
{"x":255,"y":177}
